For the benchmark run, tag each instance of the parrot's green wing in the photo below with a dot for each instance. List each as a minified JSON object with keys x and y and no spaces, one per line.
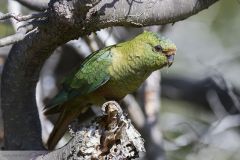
{"x":92,"y":74}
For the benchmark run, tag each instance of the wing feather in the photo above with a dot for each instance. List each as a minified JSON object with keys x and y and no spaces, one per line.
{"x":92,"y":74}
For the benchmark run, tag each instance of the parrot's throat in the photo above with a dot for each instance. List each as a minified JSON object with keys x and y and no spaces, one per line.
{"x":128,"y":73}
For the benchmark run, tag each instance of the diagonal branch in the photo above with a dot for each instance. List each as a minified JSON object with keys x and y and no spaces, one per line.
{"x":35,"y":4}
{"x":21,"y":17}
{"x":22,"y":30}
{"x":13,"y":38}
{"x":65,"y":22}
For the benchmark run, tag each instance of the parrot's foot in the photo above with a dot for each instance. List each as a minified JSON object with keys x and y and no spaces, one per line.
{"x":110,"y":106}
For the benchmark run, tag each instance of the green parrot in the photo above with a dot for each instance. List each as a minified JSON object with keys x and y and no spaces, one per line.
{"x":108,"y":74}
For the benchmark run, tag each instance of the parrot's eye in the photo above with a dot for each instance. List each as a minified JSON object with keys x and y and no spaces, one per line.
{"x":158,"y":48}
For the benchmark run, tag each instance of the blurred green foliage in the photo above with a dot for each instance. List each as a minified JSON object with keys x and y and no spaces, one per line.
{"x":5,"y":29}
{"x":3,"y":5}
{"x":226,"y":23}
{"x":5,"y":26}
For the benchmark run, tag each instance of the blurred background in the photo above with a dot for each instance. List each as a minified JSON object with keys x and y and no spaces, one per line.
{"x":191,"y":111}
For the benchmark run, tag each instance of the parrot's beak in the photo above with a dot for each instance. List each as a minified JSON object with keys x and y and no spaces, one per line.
{"x":170,"y":56}
{"x":170,"y":60}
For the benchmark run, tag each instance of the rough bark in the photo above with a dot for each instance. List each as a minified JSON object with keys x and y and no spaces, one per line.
{"x":68,"y":20}
{"x":111,"y":136}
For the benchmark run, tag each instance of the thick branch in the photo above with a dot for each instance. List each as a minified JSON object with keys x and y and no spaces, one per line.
{"x":65,"y":22}
{"x":111,"y":136}
{"x":148,"y":12}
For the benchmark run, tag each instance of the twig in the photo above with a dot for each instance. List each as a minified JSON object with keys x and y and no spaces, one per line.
{"x":215,"y":104}
{"x":15,"y":7}
{"x":225,"y":123}
{"x":13,"y":38}
{"x":21,"y":17}
{"x":134,"y":111}
{"x":219,"y":126}
{"x":22,"y":30}
{"x":111,"y":136}
{"x":227,"y":87}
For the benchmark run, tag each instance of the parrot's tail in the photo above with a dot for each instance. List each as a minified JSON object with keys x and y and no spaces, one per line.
{"x":55,"y":105}
{"x":53,"y":109}
{"x":61,"y":126}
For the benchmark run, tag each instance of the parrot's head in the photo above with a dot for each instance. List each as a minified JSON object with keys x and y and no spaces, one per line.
{"x":156,"y":51}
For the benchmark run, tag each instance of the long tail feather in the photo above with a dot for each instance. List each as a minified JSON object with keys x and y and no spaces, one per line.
{"x":55,"y":105}
{"x":66,"y":117}
{"x":53,"y":110}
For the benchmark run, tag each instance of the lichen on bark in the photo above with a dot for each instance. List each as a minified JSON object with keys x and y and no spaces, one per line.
{"x":110,"y":136}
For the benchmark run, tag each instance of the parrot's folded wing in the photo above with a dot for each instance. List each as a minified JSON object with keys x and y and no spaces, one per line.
{"x":92,"y":74}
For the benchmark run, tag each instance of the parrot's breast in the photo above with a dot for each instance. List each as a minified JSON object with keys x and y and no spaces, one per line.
{"x":116,"y":90}
{"x":124,"y":80}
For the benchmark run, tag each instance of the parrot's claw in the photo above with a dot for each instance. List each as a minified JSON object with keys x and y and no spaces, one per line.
{"x":111,"y":106}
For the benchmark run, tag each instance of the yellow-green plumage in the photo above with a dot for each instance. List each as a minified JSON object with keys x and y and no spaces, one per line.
{"x":108,"y":74}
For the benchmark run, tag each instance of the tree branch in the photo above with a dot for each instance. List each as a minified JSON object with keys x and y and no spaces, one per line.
{"x":111,"y":136}
{"x":68,"y":20}
{"x":13,"y":38}
{"x":21,"y":17}
{"x":35,"y":4}
{"x":22,"y":30}
{"x":151,"y":130}
{"x":147,"y":12}
{"x":15,"y":7}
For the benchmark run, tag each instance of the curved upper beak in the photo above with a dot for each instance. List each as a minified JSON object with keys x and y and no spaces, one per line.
{"x":170,"y":56}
